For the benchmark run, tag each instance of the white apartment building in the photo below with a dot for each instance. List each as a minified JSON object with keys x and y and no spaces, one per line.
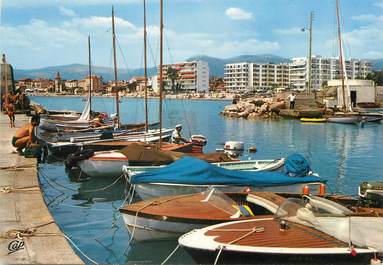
{"x":192,"y":76}
{"x":245,"y":76}
{"x":242,"y":77}
{"x":323,"y":70}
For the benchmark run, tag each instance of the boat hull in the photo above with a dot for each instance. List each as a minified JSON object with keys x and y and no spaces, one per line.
{"x":144,"y":229}
{"x":345,"y":120}
{"x":150,"y":190}
{"x":232,"y":257}
{"x":98,"y":169}
{"x":297,"y":244}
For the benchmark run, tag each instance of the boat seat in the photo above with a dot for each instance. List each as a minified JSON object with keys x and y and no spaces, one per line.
{"x":268,"y":200}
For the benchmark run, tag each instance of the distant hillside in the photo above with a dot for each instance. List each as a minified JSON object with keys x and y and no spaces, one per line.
{"x":377,"y":65}
{"x":79,"y":71}
{"x":216,"y":65}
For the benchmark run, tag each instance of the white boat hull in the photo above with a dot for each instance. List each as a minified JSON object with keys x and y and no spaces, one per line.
{"x":150,"y":190}
{"x":149,"y":229}
{"x":197,"y":239}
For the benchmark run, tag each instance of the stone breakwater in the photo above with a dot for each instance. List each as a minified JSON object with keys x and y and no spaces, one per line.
{"x":255,"y":108}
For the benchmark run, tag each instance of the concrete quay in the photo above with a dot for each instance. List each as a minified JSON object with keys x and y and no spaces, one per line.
{"x":28,"y":232}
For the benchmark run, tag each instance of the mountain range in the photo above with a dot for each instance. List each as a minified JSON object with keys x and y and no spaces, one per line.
{"x":216,"y":65}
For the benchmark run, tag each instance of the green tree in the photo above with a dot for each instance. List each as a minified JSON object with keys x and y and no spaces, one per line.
{"x":377,"y":77}
{"x":173,"y":76}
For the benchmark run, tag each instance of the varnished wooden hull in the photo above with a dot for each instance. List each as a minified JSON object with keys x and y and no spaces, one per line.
{"x":240,"y":244}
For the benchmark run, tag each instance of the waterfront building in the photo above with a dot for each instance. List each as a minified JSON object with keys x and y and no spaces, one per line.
{"x":44,"y":85}
{"x":94,"y":80}
{"x":323,"y":70}
{"x":246,"y":76}
{"x":190,"y":76}
{"x":361,"y":91}
{"x":137,"y":83}
{"x":71,"y":84}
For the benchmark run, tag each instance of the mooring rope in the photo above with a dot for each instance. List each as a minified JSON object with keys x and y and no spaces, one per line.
{"x":32,"y":231}
{"x":9,"y":189}
{"x":171,"y":254}
{"x":221,"y":247}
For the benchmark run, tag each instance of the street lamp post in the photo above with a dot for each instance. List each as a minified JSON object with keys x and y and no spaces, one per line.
{"x":309,"y":29}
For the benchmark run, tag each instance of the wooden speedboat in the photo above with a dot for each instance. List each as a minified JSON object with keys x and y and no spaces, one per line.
{"x":312,"y":230}
{"x":170,"y":216}
{"x":190,"y":175}
{"x":260,"y":241}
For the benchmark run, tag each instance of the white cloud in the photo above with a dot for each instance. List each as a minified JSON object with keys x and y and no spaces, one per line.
{"x":364,"y":41}
{"x":236,"y":13}
{"x":379,"y":4}
{"x":367,"y":18}
{"x":67,"y":12}
{"x":40,"y":3}
{"x":97,"y":21}
{"x":288,"y":31}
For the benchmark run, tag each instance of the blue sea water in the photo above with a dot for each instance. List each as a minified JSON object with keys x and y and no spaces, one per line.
{"x":343,"y":154}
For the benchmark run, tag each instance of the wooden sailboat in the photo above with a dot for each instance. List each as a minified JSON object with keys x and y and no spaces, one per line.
{"x":347,"y":116}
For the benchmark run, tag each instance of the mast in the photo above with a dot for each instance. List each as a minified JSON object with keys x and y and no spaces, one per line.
{"x":145,"y":71}
{"x":161,"y":65}
{"x":341,"y":59}
{"x":90,"y":77}
{"x":310,"y":50}
{"x":115,"y":69}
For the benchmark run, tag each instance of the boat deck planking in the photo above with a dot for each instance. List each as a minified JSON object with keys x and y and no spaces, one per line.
{"x":296,"y":236}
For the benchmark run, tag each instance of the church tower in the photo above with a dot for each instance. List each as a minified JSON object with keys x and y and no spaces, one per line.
{"x":58,"y":83}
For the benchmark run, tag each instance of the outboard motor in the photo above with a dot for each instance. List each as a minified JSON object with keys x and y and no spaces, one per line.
{"x":372,"y":191}
{"x":234,"y":148}
{"x":72,"y":159}
{"x":199,"y":141}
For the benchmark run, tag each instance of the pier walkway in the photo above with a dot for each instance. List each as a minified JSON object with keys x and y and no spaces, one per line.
{"x":28,"y":232}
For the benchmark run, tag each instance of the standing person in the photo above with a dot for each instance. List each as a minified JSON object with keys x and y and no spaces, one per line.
{"x":25,"y":135}
{"x":291,"y":98}
{"x":176,"y":135}
{"x":10,"y":108}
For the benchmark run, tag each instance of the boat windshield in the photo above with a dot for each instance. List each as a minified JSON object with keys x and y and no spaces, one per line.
{"x":333,"y":219}
{"x":221,"y":201}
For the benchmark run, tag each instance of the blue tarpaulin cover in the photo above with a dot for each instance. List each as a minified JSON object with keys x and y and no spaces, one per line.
{"x":297,"y":166}
{"x":189,"y":170}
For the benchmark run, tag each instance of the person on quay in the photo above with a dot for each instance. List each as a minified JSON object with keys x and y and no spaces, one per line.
{"x":10,"y":109}
{"x":176,"y":135}
{"x":291,"y":98}
{"x":25,"y":135}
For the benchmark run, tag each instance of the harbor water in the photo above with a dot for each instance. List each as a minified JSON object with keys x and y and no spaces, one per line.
{"x":87,"y":209}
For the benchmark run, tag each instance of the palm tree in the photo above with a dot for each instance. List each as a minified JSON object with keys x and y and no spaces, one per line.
{"x":173,"y":76}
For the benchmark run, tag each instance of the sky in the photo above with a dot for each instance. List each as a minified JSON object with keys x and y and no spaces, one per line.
{"x":40,"y":33}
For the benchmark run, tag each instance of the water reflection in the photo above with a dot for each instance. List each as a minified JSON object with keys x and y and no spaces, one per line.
{"x":343,"y":154}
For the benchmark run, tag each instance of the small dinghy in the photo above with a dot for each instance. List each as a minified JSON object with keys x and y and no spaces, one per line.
{"x":190,"y":175}
{"x":309,"y":231}
{"x":313,"y":120}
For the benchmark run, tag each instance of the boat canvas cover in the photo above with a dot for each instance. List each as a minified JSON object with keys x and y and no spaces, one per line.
{"x":141,"y":155}
{"x":189,"y":170}
{"x":297,"y":166}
